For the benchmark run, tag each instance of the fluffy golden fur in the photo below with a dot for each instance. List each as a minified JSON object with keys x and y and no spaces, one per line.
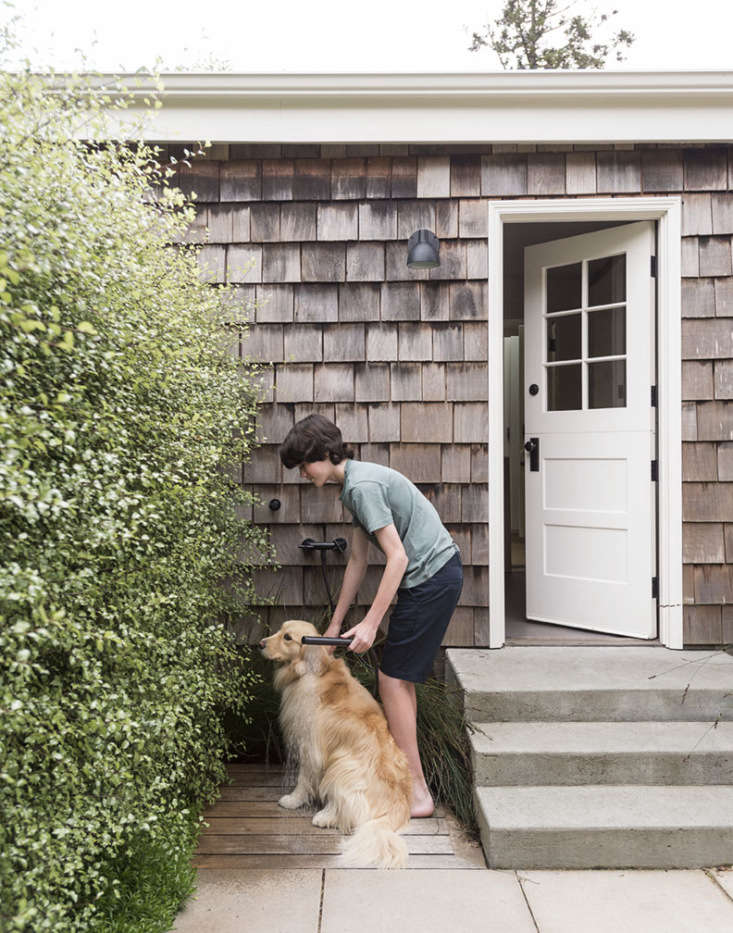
{"x":346,"y":754}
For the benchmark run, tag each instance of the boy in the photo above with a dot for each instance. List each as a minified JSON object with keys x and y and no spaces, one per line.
{"x":423,"y":567}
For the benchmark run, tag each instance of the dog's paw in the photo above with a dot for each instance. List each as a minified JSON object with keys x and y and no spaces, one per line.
{"x":324,"y":819}
{"x":291,"y":801}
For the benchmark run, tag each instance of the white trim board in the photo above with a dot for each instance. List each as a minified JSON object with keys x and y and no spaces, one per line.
{"x":584,"y":107}
{"x":667,"y":211}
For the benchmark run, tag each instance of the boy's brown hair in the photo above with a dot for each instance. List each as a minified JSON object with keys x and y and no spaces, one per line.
{"x":313,"y":438}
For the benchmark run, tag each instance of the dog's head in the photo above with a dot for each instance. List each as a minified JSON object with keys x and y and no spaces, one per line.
{"x":286,"y":647}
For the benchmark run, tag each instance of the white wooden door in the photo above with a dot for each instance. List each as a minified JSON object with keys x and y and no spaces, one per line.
{"x":588,"y":377}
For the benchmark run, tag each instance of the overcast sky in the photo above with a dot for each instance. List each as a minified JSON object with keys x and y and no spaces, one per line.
{"x":342,"y":35}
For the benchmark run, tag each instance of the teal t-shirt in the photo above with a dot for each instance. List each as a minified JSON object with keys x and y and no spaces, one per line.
{"x":378,"y":496}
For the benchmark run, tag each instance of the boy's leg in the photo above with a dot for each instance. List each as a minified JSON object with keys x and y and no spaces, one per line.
{"x":400,"y":706}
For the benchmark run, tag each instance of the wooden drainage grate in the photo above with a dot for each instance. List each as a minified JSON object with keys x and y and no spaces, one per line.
{"x":247,"y":829}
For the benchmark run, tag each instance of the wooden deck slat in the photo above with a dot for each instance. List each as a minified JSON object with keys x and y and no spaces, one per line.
{"x":264,"y":808}
{"x":253,"y":767}
{"x":285,"y":782}
{"x":262,"y":826}
{"x":253,"y":809}
{"x":254,"y":793}
{"x":319,"y":861}
{"x":327,"y":844}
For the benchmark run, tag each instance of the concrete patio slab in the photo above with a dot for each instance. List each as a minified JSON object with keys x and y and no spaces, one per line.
{"x":724,"y":877}
{"x":620,"y":901}
{"x":258,"y":901}
{"x":373,"y":901}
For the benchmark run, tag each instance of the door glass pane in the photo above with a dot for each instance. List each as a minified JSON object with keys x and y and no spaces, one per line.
{"x":563,"y":338}
{"x":607,"y":332}
{"x":564,"y":287}
{"x":564,"y":391}
{"x":607,"y":384}
{"x":607,"y":280}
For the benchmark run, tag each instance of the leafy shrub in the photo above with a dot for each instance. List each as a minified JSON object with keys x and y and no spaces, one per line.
{"x":120,"y":406}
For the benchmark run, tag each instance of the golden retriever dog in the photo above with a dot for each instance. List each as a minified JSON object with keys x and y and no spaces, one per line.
{"x":347,"y":758}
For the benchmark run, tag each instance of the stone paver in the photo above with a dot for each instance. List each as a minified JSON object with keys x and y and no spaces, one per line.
{"x":724,"y":878}
{"x":626,"y":902}
{"x":373,"y":901}
{"x":483,"y":901}
{"x":253,"y":901}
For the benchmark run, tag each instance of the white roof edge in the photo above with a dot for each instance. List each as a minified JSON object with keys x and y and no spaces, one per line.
{"x":448,"y":83}
{"x":450,"y":107}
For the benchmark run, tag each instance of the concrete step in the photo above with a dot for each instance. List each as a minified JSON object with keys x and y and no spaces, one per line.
{"x":606,"y":684}
{"x":576,"y":753}
{"x":611,"y":826}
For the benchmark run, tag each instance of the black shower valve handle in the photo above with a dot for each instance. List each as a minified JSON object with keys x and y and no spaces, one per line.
{"x":338,"y":544}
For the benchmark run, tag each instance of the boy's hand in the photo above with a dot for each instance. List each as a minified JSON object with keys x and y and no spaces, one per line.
{"x":362,"y":636}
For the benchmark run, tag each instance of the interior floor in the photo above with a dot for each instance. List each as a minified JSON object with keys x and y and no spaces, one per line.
{"x":523,"y":631}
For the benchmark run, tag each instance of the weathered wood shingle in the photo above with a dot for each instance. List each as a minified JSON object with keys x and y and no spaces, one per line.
{"x":661,"y":171}
{"x":503,"y":175}
{"x":323,"y":262}
{"x":241,"y":180}
{"x":545,"y":173}
{"x":404,"y":178}
{"x":365,"y":262}
{"x":619,"y":172}
{"x":358,"y":302}
{"x":202,"y":177}
{"x":338,"y":221}
{"x":298,"y":222}
{"x":343,"y":343}
{"x":465,"y":176}
{"x":274,"y":303}
{"x":316,"y":304}
{"x":415,"y":341}
{"x":277,"y":179}
{"x":244,"y":263}
{"x":698,"y":298}
{"x":378,"y":220}
{"x":348,"y":178}
{"x":705,"y":169}
{"x":312,"y":180}
{"x":433,"y":177}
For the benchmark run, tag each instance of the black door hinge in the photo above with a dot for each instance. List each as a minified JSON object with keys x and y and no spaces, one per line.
{"x":654,"y":396}
{"x":654,"y":471}
{"x":654,"y":267}
{"x":655,"y":587}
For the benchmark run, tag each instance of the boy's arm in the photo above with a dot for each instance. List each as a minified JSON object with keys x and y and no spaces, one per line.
{"x":365,"y":632}
{"x":353,"y":575}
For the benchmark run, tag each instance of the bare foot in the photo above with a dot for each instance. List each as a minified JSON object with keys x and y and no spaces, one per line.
{"x":422,"y":802}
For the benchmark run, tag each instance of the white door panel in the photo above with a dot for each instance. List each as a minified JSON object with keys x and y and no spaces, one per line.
{"x":589,"y":554}
{"x":590,"y":544}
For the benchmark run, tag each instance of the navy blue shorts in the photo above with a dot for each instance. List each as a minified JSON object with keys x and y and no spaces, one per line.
{"x":419,"y":621}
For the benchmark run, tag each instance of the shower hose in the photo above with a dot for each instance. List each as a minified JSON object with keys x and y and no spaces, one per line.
{"x":338,"y":544}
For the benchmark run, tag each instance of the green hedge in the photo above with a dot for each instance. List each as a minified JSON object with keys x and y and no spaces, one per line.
{"x":121,"y":405}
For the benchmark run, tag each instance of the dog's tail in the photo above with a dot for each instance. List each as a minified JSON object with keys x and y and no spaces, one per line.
{"x":376,"y":844}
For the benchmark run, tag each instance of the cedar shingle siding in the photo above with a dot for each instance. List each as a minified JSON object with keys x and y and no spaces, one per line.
{"x":316,"y":236}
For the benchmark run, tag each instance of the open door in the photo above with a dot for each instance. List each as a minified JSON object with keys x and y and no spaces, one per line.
{"x":589,"y":426}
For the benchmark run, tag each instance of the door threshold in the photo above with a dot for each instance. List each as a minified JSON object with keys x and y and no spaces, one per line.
{"x":566,"y":641}
{"x":528,"y":632}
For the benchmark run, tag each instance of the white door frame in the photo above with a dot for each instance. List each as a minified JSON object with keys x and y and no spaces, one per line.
{"x":668,"y":211}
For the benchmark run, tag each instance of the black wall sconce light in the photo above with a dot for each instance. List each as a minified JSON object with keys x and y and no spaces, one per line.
{"x":423,"y":250}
